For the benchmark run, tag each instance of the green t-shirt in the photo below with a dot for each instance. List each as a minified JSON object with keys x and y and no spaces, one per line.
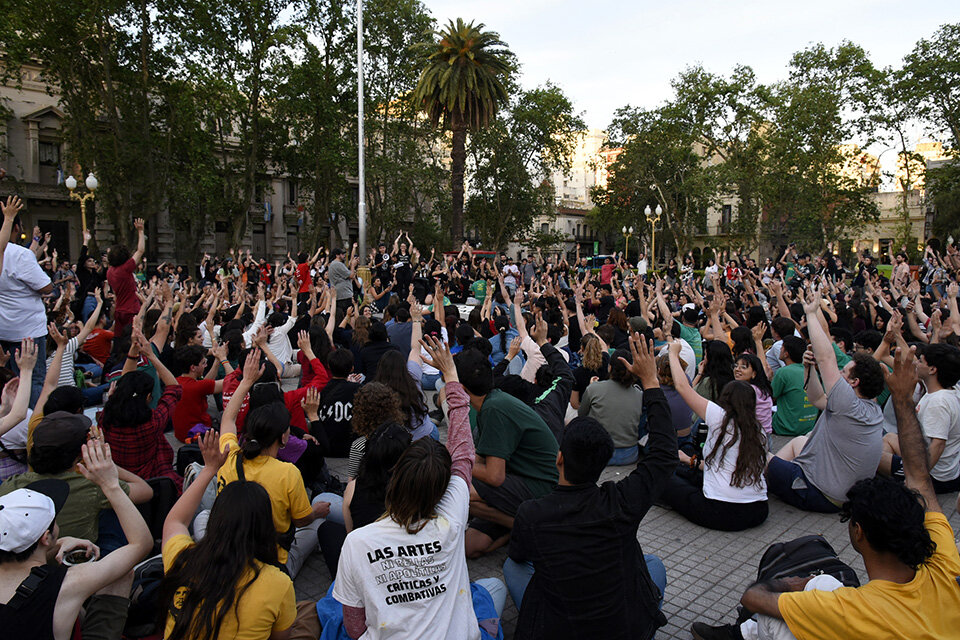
{"x":509,"y":429}
{"x":795,"y":415}
{"x":479,"y":289}
{"x":80,"y":515}
{"x":842,"y":358}
{"x":791,"y":271}
{"x":693,"y":337}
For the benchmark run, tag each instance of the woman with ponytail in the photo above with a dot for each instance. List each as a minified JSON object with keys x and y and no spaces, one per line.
{"x":267,"y":430}
{"x":501,"y":341}
{"x":133,"y":430}
{"x":228,"y":584}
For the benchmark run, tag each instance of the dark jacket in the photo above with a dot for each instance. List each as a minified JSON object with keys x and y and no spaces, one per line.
{"x":550,"y":403}
{"x":369,"y":357}
{"x":590,"y":579}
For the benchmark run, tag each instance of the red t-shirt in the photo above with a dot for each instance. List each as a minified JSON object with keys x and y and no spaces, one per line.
{"x":606,"y":273}
{"x":303,"y":274}
{"x":266,"y":274}
{"x":192,"y":408}
{"x":98,"y":343}
{"x":124,"y":287}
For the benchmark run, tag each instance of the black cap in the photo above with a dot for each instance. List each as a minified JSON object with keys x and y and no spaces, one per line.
{"x":61,"y":429}
{"x":56,"y":490}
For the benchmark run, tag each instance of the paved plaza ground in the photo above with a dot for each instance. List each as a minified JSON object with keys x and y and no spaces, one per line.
{"x":707,"y":571}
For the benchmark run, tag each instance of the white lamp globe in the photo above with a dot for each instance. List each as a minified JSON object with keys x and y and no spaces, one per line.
{"x":70,"y":182}
{"x":91,"y":182}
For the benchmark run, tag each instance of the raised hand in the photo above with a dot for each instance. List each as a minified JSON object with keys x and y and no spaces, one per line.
{"x":514,"y":349}
{"x":902,"y":382}
{"x":26,"y":356}
{"x":97,"y":465}
{"x":644,"y":365}
{"x":138,"y":225}
{"x":209,"y":443}
{"x":438,"y":356}
{"x":311,"y":404}
{"x":59,"y":338}
{"x":12,"y":206}
{"x":252,"y":369}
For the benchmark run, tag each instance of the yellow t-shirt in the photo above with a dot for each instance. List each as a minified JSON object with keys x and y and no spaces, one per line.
{"x":927,"y":607}
{"x":282,"y":480}
{"x":268,"y":605}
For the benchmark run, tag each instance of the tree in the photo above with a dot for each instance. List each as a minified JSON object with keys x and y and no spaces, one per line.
{"x":462,"y":87}
{"x":932,"y":76}
{"x":659,"y":164}
{"x":814,"y":191}
{"x":513,"y":159}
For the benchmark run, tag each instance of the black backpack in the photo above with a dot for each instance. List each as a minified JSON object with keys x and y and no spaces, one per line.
{"x":805,"y":556}
{"x":143,"y":615}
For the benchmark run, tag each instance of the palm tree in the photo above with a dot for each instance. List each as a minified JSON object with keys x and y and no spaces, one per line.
{"x":461,"y":88}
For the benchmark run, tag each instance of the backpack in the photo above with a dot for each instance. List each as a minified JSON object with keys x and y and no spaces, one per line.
{"x":142,"y":616}
{"x":805,"y":556}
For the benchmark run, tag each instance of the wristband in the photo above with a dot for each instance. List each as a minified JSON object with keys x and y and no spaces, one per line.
{"x":130,"y":357}
{"x":224,"y":363}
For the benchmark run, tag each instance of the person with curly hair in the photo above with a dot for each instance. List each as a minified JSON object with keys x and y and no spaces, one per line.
{"x":374,"y":404}
{"x":907,"y":547}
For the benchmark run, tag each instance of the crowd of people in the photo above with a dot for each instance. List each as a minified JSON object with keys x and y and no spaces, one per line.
{"x":153,"y":416}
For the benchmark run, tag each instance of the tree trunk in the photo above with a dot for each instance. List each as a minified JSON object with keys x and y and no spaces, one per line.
{"x":458,"y":161}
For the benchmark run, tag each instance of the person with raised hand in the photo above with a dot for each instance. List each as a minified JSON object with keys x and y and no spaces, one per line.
{"x":121,"y":279}
{"x":29,"y":537}
{"x":815,"y":472}
{"x":267,"y":429}
{"x":571,"y":581}
{"x":906,"y":544}
{"x":427,"y":503}
{"x":228,"y":583}
{"x":10,"y":210}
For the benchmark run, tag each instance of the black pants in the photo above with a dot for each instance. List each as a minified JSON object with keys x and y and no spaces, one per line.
{"x":686,"y":498}
{"x":331,"y":535}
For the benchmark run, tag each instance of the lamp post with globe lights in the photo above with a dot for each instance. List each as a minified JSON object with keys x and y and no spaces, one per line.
{"x":91,"y":184}
{"x":627,"y":234}
{"x":653,"y":217}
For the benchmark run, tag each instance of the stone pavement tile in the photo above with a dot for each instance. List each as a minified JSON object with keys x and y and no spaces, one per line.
{"x":707,"y":571}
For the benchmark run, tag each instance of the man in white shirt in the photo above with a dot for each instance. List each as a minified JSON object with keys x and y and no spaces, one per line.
{"x":939,"y":414}
{"x":22,"y":314}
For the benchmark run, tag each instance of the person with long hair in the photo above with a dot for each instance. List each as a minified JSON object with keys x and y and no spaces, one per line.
{"x":427,"y":503}
{"x":363,"y":499}
{"x":715,"y":371}
{"x":594,"y":363}
{"x":134,"y":431}
{"x":502,"y":339}
{"x":267,"y":430}
{"x":749,"y":368}
{"x":229,"y":584}
{"x":617,"y":404}
{"x":731,"y":495}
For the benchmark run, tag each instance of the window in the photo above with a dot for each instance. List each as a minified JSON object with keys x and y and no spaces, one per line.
{"x":544,"y":227}
{"x":291,"y":192}
{"x":49,"y":154}
{"x":578,"y":231}
{"x":725,"y":215}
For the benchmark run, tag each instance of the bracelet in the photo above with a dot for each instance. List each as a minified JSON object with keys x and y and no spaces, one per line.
{"x":224,"y":363}
{"x":130,"y":357}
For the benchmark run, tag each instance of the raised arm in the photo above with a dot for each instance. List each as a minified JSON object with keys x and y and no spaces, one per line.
{"x":52,"y":379}
{"x":181,"y":515}
{"x":92,"y":320}
{"x":820,"y":340}
{"x":416,"y":331}
{"x":459,"y":437}
{"x":141,"y":241}
{"x":26,"y":358}
{"x":10,"y":210}
{"x":913,"y":449}
{"x":693,"y":399}
{"x":252,"y":370}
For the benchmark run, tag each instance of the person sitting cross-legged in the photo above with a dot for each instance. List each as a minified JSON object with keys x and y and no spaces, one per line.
{"x":575,"y":569}
{"x":815,"y":472}
{"x":907,"y":547}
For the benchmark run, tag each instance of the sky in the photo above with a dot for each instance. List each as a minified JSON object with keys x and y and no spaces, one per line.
{"x":606,"y":54}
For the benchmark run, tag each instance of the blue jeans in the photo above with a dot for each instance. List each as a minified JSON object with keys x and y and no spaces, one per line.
{"x":89,"y":305}
{"x":92,"y":396}
{"x":624,"y":456}
{"x":94,"y":370}
{"x":517,"y":576}
{"x":429,"y":381}
{"x":336,"y":506}
{"x":39,"y":369}
{"x":497,"y":591}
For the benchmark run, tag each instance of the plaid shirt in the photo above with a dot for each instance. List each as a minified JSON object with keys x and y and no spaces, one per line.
{"x":145,"y":450}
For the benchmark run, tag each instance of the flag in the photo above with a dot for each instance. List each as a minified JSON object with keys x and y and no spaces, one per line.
{"x":267,"y":211}
{"x":60,"y":175}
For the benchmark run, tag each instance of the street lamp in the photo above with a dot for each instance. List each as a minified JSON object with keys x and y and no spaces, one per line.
{"x":653,"y":218}
{"x":91,"y":184}
{"x":627,"y":234}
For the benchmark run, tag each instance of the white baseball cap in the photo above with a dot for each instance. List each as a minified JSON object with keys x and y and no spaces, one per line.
{"x":26,"y":514}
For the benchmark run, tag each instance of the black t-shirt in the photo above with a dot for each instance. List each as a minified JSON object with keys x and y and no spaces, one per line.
{"x":336,"y":412}
{"x":582,"y":375}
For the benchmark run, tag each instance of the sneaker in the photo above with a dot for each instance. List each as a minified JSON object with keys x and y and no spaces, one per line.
{"x":703,"y":631}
